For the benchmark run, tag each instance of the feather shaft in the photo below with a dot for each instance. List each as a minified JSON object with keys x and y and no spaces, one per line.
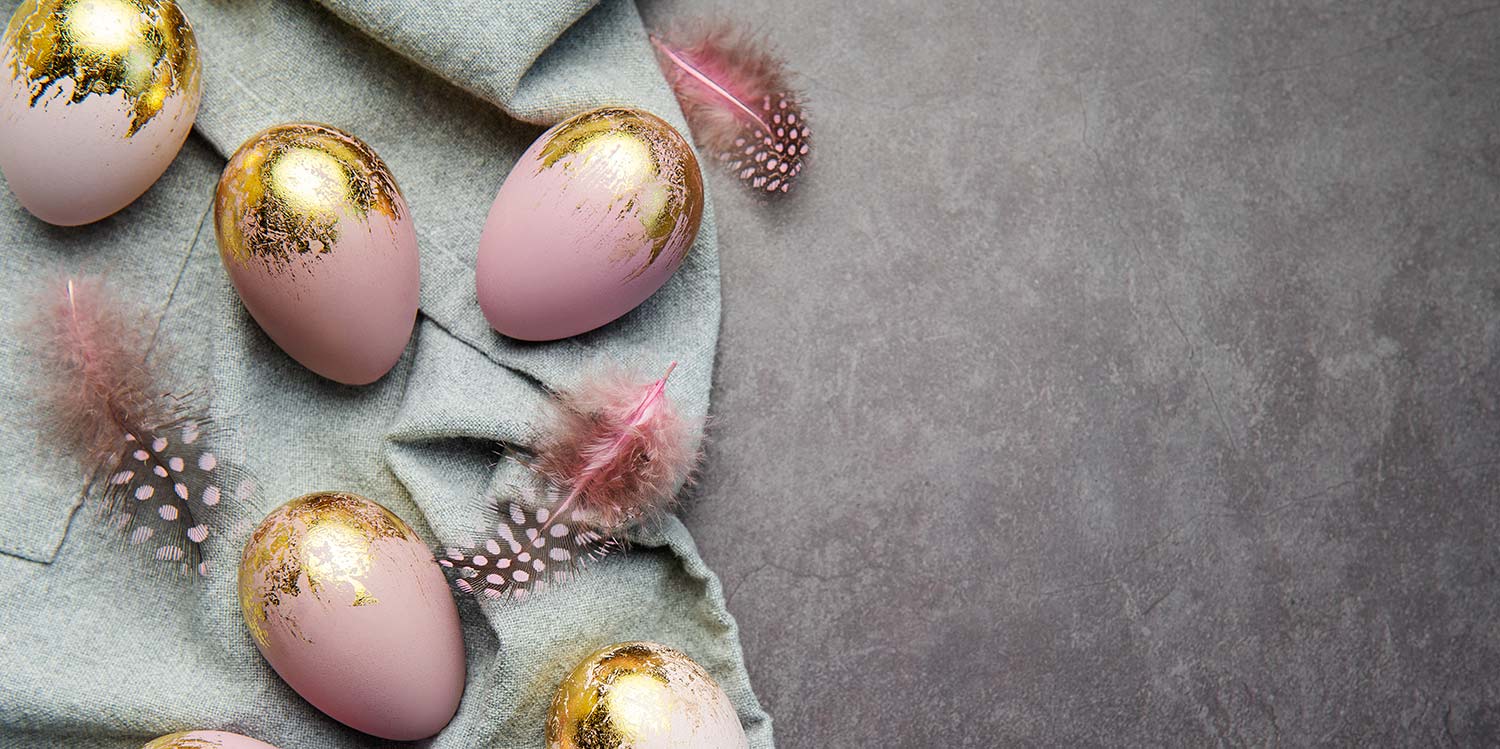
{"x":712,"y":85}
{"x":616,"y":448}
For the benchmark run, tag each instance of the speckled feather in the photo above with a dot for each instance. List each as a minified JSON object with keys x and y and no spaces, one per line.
{"x":148,"y":453}
{"x":612,"y":458}
{"x":738,"y":101}
{"x":530,"y":546}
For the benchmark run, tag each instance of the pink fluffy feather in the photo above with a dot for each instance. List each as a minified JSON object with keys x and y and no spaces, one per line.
{"x":620,"y":449}
{"x":99,"y":387}
{"x":612,"y":457}
{"x":738,"y":100}
{"x":148,"y":453}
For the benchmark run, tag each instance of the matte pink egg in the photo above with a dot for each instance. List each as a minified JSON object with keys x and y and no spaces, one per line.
{"x":206,"y":740}
{"x":347,"y":605}
{"x":96,"y":99}
{"x":319,"y":242}
{"x":598,"y":213}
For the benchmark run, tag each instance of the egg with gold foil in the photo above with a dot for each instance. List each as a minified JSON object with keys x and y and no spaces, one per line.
{"x":320,"y":245}
{"x":206,"y":740}
{"x":642,"y":695}
{"x":347,"y":605}
{"x":595,"y":216}
{"x":96,"y":98}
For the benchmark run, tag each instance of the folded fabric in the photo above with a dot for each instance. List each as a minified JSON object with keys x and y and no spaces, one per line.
{"x":449,"y":94}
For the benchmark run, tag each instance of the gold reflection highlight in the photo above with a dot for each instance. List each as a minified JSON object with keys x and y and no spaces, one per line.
{"x":639,"y":705}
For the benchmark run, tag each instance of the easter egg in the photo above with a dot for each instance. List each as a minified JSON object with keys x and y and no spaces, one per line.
{"x":206,"y":740}
{"x":96,"y":98}
{"x":598,"y":213}
{"x":641,"y":695}
{"x":347,"y":605}
{"x":319,"y":243}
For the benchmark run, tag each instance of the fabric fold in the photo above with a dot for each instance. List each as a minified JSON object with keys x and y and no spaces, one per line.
{"x":442,"y":447}
{"x":99,"y":657}
{"x":473,"y":47}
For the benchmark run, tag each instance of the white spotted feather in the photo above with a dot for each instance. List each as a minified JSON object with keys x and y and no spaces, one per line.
{"x":162,"y":489}
{"x":529,"y":547}
{"x":612,"y":459}
{"x":739,"y":101}
{"x":149,"y":455}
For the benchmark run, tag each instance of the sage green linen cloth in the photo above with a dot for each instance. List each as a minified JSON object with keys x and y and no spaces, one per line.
{"x":92,"y":653}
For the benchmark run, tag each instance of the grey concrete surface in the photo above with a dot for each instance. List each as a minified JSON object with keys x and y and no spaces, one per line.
{"x":1124,"y":374}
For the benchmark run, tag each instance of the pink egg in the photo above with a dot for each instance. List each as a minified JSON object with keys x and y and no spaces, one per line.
{"x":206,"y":740}
{"x":96,"y":98}
{"x":319,"y":242}
{"x":347,"y":605}
{"x":598,"y":213}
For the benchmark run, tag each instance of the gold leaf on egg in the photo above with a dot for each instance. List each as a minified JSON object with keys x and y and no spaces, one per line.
{"x":645,"y":164}
{"x":184,"y":740}
{"x":639,"y":694}
{"x":323,"y":538}
{"x":143,"y":50}
{"x":286,"y":189}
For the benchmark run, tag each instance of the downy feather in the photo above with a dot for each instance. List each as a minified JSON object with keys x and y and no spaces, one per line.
{"x":738,"y":101}
{"x":612,"y":457}
{"x":148,"y":454}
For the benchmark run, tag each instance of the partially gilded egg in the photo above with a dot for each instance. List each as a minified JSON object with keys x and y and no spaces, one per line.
{"x":206,"y":740}
{"x":641,"y":695}
{"x":598,"y":213}
{"x":318,"y":241}
{"x":347,"y":605}
{"x":96,"y":98}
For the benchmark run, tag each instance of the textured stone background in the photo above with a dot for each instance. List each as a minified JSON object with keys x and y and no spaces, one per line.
{"x":1125,"y":373}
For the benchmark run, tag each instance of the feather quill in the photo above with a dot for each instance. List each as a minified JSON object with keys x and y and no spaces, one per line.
{"x":738,"y":101}
{"x":612,"y":458}
{"x":148,"y":453}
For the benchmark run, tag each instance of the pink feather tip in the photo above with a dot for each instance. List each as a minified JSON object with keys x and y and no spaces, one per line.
{"x":98,"y":376}
{"x":619,"y":447}
{"x":613,"y":455}
{"x":738,"y":101}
